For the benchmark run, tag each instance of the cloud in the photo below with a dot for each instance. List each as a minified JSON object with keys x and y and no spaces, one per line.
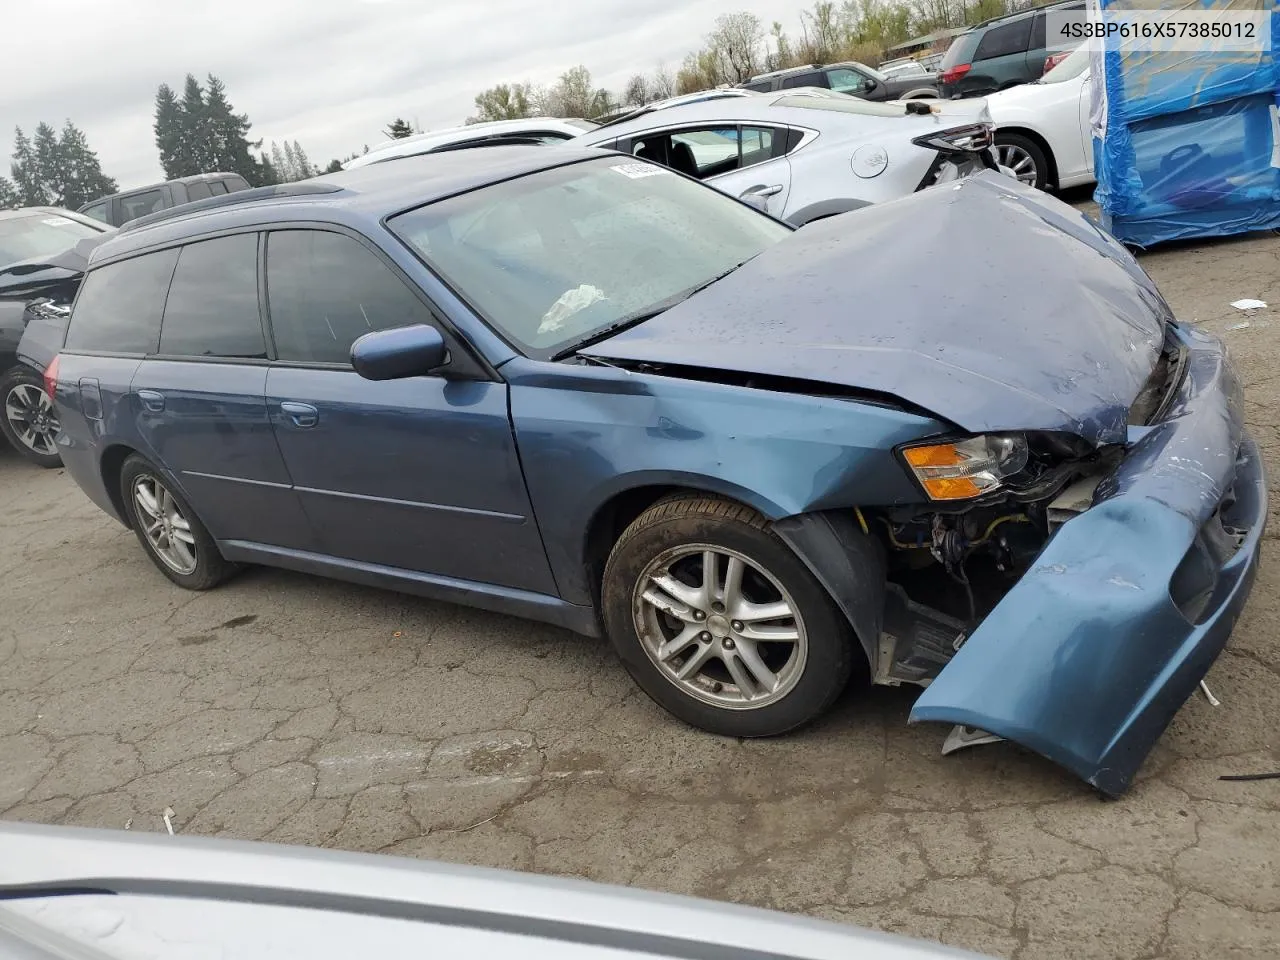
{"x":328,"y":73}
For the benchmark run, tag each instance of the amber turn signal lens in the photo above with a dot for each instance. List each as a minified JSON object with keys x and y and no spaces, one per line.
{"x":941,"y":455}
{"x":951,"y":488}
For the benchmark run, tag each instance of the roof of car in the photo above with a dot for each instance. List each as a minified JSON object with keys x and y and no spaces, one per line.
{"x":422,"y":142}
{"x":365,"y":194}
{"x":1027,"y":12}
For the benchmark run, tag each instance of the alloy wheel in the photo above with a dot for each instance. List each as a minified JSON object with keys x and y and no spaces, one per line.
{"x":32,"y":418}
{"x":1019,"y":161}
{"x":720,"y":627}
{"x":163,"y":524}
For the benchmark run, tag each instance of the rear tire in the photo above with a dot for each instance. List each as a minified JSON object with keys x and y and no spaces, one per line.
{"x":759,"y":650}
{"x":27,"y":418}
{"x":171,"y":534}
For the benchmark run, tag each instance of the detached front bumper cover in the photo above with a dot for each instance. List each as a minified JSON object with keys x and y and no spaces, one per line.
{"x":1087,"y":659}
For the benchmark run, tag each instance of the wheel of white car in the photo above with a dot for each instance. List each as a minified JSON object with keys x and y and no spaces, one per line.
{"x":720,"y":622}
{"x":1023,"y":157}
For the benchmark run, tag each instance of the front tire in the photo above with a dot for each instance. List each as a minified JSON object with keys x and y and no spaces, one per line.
{"x":1025,"y":157}
{"x":720,"y":622}
{"x":170,"y":532}
{"x":27,"y":418}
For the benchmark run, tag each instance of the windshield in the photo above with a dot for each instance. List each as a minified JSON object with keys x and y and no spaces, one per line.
{"x":871,"y":71}
{"x":1070,"y":67}
{"x":40,"y":235}
{"x":557,"y":257}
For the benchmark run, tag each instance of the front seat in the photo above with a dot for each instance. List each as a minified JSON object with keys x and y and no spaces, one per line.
{"x":682,"y":159}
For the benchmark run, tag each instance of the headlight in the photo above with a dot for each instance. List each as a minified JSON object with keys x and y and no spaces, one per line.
{"x":963,"y":469}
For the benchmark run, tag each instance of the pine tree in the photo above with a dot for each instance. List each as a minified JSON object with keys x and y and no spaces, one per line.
{"x":8,"y":195}
{"x":399,"y":129}
{"x":305,"y":169}
{"x":279,"y":163}
{"x":170,"y":139}
{"x":49,"y":163}
{"x":219,"y":126}
{"x":195,"y":135}
{"x":290,"y":171}
{"x":83,"y":176}
{"x":27,"y":180}
{"x":231,"y":134}
{"x":267,"y":173}
{"x":335,"y":166}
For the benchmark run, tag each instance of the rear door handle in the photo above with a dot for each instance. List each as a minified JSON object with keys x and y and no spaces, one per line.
{"x":763,"y":191}
{"x":153,"y":400}
{"x":302,"y":414}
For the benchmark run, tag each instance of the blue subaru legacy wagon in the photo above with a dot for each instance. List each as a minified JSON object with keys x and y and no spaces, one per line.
{"x":956,"y":441}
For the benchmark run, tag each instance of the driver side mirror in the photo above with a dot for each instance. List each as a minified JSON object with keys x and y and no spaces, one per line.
{"x":399,"y":353}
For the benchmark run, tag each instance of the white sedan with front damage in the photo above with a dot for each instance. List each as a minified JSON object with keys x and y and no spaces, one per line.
{"x":803,"y":155}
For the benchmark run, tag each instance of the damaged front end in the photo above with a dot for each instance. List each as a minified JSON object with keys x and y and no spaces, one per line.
{"x":1077,"y":604}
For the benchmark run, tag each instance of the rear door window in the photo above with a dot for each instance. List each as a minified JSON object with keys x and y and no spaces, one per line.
{"x":96,"y":210}
{"x":326,"y":290}
{"x":814,"y":78}
{"x":198,"y":191}
{"x":217,"y":187}
{"x":1005,"y":39}
{"x":119,"y":306}
{"x":212,"y":309}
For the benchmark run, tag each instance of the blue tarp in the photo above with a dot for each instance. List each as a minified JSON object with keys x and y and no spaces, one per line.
{"x":1187,"y":144}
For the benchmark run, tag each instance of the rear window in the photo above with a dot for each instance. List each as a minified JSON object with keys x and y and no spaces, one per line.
{"x":119,"y":306}
{"x":960,"y":51}
{"x":212,"y":310}
{"x":1005,"y":39}
{"x":139,"y":205}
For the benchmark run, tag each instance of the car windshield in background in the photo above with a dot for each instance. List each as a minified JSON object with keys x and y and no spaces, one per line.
{"x":39,"y":235}
{"x":557,"y":257}
{"x":1070,"y":66}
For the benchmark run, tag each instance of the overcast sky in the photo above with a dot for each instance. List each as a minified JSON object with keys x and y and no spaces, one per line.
{"x":327,"y":73}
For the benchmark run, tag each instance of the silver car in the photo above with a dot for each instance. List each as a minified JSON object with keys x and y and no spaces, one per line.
{"x":78,"y":894}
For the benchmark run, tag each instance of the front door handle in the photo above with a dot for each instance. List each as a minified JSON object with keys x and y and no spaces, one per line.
{"x":153,"y":400}
{"x":763,"y":191}
{"x":302,"y":414}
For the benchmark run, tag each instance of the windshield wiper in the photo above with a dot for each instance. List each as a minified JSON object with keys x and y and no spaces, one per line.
{"x":640,"y":316}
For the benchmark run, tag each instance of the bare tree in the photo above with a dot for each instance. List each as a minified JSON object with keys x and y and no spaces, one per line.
{"x":663,"y":83}
{"x":821,"y":29}
{"x":738,"y":45}
{"x":637,"y":91}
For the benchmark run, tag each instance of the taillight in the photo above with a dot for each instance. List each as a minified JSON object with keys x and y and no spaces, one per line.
{"x":953,"y":74}
{"x":51,"y":378}
{"x":1054,"y":59}
{"x":971,"y":138}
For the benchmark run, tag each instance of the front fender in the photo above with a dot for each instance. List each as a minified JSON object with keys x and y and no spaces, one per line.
{"x":587,"y":433}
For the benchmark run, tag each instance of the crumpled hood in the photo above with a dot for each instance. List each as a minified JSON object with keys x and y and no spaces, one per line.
{"x":988,"y":303}
{"x":21,"y":279}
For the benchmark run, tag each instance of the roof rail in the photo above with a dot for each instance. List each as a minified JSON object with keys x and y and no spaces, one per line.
{"x":303,"y":189}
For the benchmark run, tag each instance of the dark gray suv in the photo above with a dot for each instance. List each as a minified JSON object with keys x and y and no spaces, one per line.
{"x":1002,"y":52}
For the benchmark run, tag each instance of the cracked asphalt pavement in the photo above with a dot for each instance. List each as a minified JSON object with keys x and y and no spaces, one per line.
{"x":287,"y":708}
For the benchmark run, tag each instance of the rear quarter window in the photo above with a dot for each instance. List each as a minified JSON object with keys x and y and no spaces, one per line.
{"x":960,"y":51}
{"x":1005,"y":39}
{"x":120,"y":305}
